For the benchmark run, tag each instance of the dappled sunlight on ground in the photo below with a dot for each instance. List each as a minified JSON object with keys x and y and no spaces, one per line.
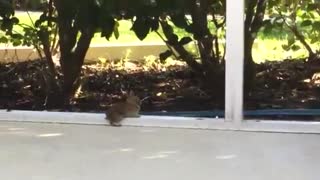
{"x":156,"y":156}
{"x":118,"y":150}
{"x":22,"y":131}
{"x":161,"y":155}
{"x":147,"y":131}
{"x":226,"y":157}
{"x":148,"y":63}
{"x":126,"y":150}
{"x":16,"y":129}
{"x":50,"y":135}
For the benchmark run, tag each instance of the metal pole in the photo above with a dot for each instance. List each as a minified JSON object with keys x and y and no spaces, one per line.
{"x":234,"y":61}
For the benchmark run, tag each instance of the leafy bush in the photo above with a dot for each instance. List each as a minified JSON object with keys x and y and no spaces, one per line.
{"x":30,"y":4}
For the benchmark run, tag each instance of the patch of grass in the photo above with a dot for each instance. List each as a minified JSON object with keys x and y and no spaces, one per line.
{"x":126,"y":35}
{"x":25,"y":19}
{"x":270,"y":49}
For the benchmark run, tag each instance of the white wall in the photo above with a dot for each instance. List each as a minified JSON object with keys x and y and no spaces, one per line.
{"x":135,"y":51}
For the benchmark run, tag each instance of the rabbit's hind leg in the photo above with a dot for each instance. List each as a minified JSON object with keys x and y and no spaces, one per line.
{"x":115,"y":119}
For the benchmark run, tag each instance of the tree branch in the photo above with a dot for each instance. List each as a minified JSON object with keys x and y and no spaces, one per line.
{"x":259,"y":16}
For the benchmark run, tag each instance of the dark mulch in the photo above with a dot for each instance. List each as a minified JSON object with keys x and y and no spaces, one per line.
{"x":279,"y":84}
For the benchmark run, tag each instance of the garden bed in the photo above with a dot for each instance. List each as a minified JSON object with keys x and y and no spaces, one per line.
{"x":165,"y":87}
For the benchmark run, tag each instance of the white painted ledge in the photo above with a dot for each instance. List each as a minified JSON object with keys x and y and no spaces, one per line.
{"x":99,"y":119}
{"x":161,"y":121}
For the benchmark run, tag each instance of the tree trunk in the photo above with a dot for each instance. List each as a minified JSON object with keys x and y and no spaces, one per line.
{"x":72,"y":48}
{"x":48,"y":78}
{"x":249,"y":65}
{"x":301,"y":38}
{"x":73,"y":64}
{"x":254,"y":21}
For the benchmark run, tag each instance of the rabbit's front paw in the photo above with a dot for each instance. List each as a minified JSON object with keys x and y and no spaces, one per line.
{"x":116,"y":124}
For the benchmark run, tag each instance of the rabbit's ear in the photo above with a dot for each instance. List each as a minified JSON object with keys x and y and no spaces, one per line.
{"x":124,"y":93}
{"x":131,"y":93}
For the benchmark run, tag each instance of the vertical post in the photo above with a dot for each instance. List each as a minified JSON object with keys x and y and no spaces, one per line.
{"x":234,"y":61}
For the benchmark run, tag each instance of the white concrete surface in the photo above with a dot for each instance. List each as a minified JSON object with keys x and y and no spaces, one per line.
{"x":40,"y":151}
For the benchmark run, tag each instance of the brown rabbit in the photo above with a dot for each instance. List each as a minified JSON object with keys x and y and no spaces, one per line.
{"x":118,"y":111}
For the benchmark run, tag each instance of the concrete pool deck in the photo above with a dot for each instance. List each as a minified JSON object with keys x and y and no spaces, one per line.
{"x":46,"y":151}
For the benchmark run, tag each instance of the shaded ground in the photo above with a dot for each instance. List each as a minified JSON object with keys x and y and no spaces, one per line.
{"x":285,"y":84}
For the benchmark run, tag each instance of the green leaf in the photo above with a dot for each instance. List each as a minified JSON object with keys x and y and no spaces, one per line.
{"x":16,"y":42}
{"x":3,"y":39}
{"x":7,"y":24}
{"x":140,"y":27}
{"x":306,"y":23}
{"x":279,"y":21}
{"x":15,"y":20}
{"x":163,"y":56}
{"x":185,"y":40}
{"x":276,"y":20}
{"x":6,"y":8}
{"x":311,"y":15}
{"x":189,"y":29}
{"x":179,"y":20}
{"x":37,"y":23}
{"x":312,"y":6}
{"x":267,"y":27}
{"x":291,"y":40}
{"x":304,"y":16}
{"x":17,"y":36}
{"x":107,"y":27}
{"x":98,"y":3}
{"x":314,"y":40}
{"x":285,"y":47}
{"x":116,"y":30}
{"x":295,"y":47}
{"x":154,"y":24}
{"x":316,"y":26}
